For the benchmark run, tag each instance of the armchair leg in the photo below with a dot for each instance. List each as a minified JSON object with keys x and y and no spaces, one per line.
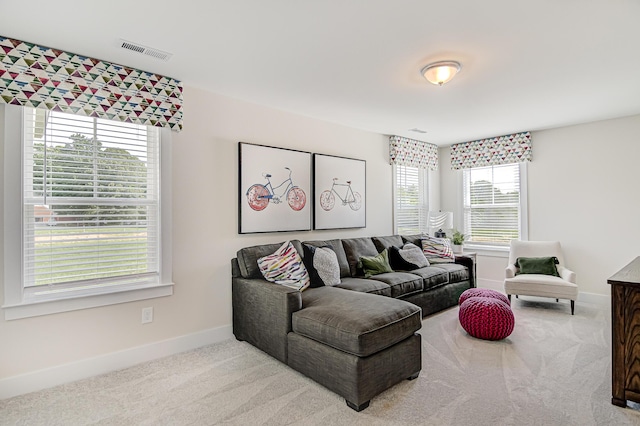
{"x":557,"y":300}
{"x":573,"y":303}
{"x":516,"y":296}
{"x":509,"y":297}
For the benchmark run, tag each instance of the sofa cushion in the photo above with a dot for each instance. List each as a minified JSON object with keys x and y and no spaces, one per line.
{"x":365,"y":286}
{"x":285,"y":267}
{"x":401,"y":283}
{"x":336,"y":245}
{"x":413,"y":239}
{"x":382,"y":243}
{"x":355,"y":248}
{"x":248,"y":257}
{"x":374,"y":265}
{"x":322,"y":265}
{"x":357,"y":323}
{"x":456,"y":272}
{"x":432,"y":276}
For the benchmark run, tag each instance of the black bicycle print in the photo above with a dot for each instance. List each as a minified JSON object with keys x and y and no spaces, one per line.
{"x":328,"y":200}
{"x":258,"y":195}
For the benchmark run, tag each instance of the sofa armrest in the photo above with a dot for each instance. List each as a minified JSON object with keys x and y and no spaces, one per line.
{"x":566,"y":274}
{"x":470,"y":265}
{"x":262,"y":314}
{"x":510,"y":271}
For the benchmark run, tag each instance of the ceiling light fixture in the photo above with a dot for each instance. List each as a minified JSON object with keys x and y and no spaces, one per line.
{"x":440,"y":72}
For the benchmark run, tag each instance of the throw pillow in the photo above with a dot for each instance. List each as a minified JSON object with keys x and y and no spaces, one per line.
{"x":322,"y":265}
{"x":374,"y":265}
{"x":285,"y":267}
{"x":407,"y":258}
{"x":537,"y":265}
{"x":437,"y":250}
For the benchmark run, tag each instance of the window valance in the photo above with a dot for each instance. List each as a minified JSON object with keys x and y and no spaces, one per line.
{"x":413,"y":153}
{"x":515,"y":148}
{"x":41,"y":77}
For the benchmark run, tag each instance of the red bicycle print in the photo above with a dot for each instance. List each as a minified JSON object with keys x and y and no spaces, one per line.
{"x":259,"y":196}
{"x":328,"y":200}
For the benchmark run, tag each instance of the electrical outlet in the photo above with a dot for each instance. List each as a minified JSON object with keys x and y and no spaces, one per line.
{"x":147,"y":315}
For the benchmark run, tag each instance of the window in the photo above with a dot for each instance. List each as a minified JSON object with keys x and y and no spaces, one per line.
{"x":411,"y":199}
{"x":91,"y":211}
{"x":494,"y":208}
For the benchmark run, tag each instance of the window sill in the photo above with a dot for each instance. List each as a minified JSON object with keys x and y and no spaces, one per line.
{"x":35,"y":308}
{"x":489,"y":251}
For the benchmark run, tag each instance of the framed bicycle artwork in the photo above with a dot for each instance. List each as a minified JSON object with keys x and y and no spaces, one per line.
{"x":274,"y":189}
{"x":339,"y":192}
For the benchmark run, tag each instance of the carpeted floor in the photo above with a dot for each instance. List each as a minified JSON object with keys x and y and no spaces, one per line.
{"x":555,"y":369}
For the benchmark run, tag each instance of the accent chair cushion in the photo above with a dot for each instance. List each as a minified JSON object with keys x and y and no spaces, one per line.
{"x":374,"y":265}
{"x":285,"y":267}
{"x":541,"y":285}
{"x":437,"y":250}
{"x":322,"y":265}
{"x":537,"y":265}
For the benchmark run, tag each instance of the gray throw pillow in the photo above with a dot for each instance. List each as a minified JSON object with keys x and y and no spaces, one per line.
{"x":413,"y":254}
{"x":322,"y":264}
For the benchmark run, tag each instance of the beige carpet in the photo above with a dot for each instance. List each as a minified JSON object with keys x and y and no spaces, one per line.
{"x":554,"y":369}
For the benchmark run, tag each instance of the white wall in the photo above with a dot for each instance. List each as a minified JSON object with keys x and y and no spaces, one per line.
{"x":205,"y":175}
{"x":582,"y":192}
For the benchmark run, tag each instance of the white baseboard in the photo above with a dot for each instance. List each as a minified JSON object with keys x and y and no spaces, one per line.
{"x":82,"y":369}
{"x":596,"y":299}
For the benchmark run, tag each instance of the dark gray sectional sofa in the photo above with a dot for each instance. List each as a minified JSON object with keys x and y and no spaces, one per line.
{"x":357,"y":338}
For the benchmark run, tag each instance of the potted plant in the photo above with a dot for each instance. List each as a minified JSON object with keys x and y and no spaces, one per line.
{"x":457,"y":239}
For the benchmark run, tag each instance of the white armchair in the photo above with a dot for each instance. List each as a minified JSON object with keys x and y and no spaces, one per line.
{"x":562,"y":287}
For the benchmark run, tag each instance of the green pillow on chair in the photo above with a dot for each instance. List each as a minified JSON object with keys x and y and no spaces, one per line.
{"x":537,"y":265}
{"x":374,"y":265}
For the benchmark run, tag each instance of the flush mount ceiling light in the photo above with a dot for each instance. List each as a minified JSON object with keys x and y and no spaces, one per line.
{"x":440,"y":72}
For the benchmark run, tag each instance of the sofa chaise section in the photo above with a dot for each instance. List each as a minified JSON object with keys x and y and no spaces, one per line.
{"x":356,"y":338}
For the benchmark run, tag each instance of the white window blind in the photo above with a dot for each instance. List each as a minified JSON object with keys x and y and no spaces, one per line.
{"x":492,"y":208}
{"x":90,"y":203}
{"x":411,"y":199}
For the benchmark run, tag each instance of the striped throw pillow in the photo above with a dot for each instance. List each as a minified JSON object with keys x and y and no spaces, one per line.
{"x":437,"y":250}
{"x":285,"y":267}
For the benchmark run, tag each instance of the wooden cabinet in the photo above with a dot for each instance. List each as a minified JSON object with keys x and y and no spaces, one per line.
{"x":625,"y":334}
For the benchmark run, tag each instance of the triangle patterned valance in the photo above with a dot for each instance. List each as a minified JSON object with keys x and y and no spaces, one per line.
{"x":515,"y":148}
{"x":413,"y":153}
{"x":41,"y":77}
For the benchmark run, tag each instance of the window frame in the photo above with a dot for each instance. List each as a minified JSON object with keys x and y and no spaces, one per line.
{"x":498,"y":249}
{"x":17,"y":303}
{"x":423,"y":187}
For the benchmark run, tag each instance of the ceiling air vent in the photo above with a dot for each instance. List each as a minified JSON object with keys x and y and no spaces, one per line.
{"x":144,"y":50}
{"x":416,"y":130}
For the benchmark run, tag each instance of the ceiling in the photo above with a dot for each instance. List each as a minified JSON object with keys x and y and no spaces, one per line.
{"x":525,"y":65}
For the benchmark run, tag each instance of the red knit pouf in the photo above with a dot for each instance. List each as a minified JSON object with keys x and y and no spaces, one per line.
{"x":486,"y":318}
{"x":482,"y":292}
